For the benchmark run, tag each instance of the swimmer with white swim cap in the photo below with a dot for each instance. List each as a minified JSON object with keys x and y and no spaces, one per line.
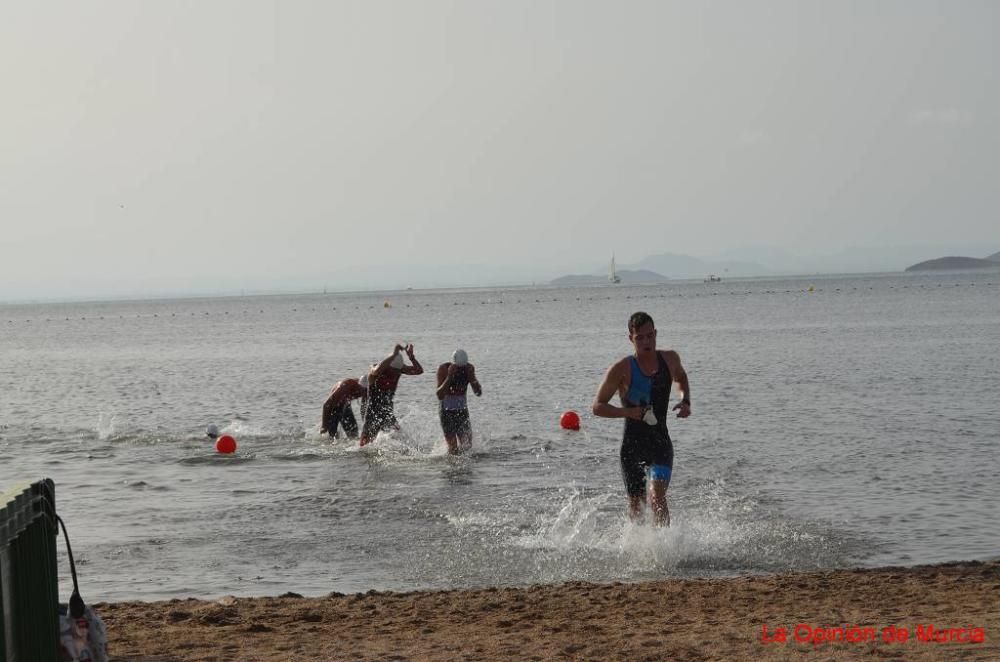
{"x":383,"y":379}
{"x":453,"y":380}
{"x":337,"y":408}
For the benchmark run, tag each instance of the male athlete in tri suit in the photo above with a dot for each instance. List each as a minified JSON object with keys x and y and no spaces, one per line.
{"x":382,"y":382}
{"x":642,"y":382}
{"x":454,"y":379}
{"x":337,"y":408}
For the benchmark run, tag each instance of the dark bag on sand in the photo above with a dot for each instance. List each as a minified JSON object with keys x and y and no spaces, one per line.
{"x":82,"y":637}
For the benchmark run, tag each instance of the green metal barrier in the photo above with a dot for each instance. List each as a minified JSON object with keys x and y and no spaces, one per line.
{"x":29,"y":586}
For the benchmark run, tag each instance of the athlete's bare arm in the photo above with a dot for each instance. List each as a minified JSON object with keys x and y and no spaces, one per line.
{"x":416,"y":368}
{"x":673,"y":359}
{"x":473,"y":382}
{"x":614,"y":380}
{"x":384,"y":363}
{"x":442,"y":380}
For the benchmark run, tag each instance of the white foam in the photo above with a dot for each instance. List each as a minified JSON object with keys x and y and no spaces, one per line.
{"x":419,"y":437}
{"x":717,"y":532}
{"x":577,"y":524}
{"x":109,"y":425}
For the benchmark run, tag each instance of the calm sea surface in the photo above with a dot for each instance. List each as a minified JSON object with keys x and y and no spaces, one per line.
{"x":855,"y":424}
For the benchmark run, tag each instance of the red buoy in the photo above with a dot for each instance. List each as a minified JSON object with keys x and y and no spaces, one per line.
{"x":570,"y":420}
{"x":225,"y":444}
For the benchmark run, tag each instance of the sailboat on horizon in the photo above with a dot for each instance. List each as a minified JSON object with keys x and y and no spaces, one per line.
{"x":613,"y":276}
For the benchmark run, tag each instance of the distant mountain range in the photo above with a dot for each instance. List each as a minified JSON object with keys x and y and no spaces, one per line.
{"x":957,"y":262}
{"x":665,"y":266}
{"x":674,"y":265}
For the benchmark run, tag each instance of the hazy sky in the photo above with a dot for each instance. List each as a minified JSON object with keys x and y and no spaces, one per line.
{"x":167,"y":146}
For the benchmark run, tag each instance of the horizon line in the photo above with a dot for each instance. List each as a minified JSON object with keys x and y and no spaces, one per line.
{"x":229,"y":294}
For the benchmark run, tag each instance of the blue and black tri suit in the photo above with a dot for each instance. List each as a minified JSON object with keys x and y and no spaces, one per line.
{"x":643,"y":445}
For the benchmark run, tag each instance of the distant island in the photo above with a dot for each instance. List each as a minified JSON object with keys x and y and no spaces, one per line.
{"x":955,"y":262}
{"x":628,"y":277}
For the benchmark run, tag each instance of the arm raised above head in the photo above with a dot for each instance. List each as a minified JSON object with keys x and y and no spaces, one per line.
{"x":416,"y":368}
{"x":384,"y":364}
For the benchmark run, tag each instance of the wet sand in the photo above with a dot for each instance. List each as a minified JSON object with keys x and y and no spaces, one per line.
{"x":690,"y":619}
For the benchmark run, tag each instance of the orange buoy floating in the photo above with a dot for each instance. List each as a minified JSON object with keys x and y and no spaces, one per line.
{"x":570,"y":420}
{"x":225,"y":444}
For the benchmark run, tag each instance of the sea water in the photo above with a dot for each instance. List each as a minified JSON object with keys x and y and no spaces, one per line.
{"x":837,"y":421}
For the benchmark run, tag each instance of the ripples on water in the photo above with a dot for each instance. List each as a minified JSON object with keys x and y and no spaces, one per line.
{"x":851,"y":425}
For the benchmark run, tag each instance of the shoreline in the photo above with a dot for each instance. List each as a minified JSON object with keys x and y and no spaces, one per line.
{"x":687,"y":619}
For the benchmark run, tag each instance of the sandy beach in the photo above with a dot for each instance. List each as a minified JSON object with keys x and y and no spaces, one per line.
{"x":926,"y":612}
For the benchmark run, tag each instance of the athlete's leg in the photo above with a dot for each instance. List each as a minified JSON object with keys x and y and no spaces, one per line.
{"x":369,"y":428}
{"x":333,"y":420}
{"x":658,"y":502}
{"x":635,"y":504}
{"x":447,"y":418}
{"x":377,"y":417}
{"x":659,"y":479}
{"x":327,"y":413}
{"x":349,"y":423}
{"x":634,"y":476}
{"x":465,"y":431}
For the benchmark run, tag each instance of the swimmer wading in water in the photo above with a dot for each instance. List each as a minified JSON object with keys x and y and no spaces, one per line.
{"x":382,"y":382}
{"x":454,"y":379}
{"x":337,"y":408}
{"x":643,"y":382}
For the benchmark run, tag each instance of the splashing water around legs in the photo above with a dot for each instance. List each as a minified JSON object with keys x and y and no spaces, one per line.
{"x":656,"y":499}
{"x":657,"y":493}
{"x":657,"y":481}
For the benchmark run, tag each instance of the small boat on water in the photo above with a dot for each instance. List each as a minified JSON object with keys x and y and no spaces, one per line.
{"x":712,"y":278}
{"x":613,"y":277}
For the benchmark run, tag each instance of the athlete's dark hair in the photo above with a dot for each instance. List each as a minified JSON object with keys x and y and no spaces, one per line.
{"x":637,"y":320}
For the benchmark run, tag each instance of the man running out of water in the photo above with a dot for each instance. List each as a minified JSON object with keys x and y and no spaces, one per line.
{"x":454,"y":379}
{"x":643,"y":382}
{"x":382,"y":381}
{"x":337,"y":408}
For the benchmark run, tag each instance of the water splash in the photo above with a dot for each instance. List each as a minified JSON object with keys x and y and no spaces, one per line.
{"x":718,"y":531}
{"x":109,"y":426}
{"x":419,"y":437}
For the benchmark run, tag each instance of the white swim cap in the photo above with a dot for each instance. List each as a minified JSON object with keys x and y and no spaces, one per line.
{"x":460,"y":358}
{"x":397,"y":361}
{"x":363,"y":382}
{"x":212,"y":431}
